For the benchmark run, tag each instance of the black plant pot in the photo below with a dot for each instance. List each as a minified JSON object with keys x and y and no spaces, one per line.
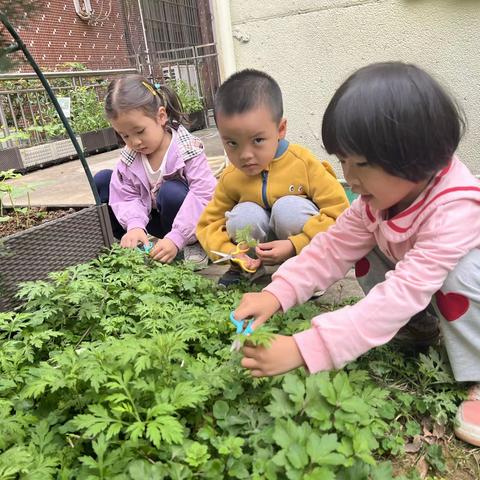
{"x":100,"y":140}
{"x":10,"y":158}
{"x":196,"y":121}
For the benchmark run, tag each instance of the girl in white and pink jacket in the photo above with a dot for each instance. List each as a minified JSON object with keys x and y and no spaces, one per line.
{"x":413,"y":236}
{"x":162,"y":181}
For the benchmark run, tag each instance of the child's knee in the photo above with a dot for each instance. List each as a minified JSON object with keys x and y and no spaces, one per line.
{"x":102,"y":182}
{"x":465,"y":277}
{"x":103,"y":178}
{"x":171,"y":195}
{"x":248,"y":214}
{"x":289,"y":215}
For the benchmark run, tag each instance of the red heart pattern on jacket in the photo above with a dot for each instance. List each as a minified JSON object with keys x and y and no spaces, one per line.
{"x":362,"y":267}
{"x":452,"y":305}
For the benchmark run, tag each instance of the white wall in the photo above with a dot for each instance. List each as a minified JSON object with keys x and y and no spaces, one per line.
{"x":311,"y":46}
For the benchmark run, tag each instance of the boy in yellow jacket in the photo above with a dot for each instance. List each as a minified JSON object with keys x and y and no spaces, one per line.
{"x":281,"y":190}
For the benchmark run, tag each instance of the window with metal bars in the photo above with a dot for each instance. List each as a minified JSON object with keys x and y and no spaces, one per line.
{"x":171,"y":24}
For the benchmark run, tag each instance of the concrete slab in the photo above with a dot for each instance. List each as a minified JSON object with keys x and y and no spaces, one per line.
{"x":66,"y":184}
{"x":340,"y":292}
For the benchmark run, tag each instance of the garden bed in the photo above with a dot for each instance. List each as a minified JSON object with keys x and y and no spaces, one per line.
{"x":67,"y":240}
{"x":121,"y":368}
{"x":26,"y":217}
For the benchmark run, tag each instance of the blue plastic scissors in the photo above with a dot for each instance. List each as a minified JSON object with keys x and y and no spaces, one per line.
{"x":146,"y":248}
{"x":239,"y":324}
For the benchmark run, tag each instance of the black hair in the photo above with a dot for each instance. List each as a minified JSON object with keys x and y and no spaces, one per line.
{"x":135,"y":92}
{"x":246,"y":90}
{"x":396,"y":116}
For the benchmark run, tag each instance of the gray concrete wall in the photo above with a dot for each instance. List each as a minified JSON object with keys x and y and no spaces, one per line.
{"x":310,"y":47}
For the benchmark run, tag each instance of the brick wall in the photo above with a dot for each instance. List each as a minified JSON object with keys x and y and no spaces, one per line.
{"x":55,"y":34}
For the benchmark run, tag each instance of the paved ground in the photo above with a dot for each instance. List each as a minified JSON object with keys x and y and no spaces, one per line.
{"x":339,"y":292}
{"x":66,"y":184}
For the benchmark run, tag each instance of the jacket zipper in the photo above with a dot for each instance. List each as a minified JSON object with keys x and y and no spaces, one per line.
{"x":264,"y":189}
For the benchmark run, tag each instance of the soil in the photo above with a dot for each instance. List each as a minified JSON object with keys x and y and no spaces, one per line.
{"x":36,"y":216}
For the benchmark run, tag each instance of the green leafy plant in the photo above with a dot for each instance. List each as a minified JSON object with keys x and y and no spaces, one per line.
{"x":14,"y":135}
{"x":87,"y":110}
{"x":41,"y":123}
{"x":122,"y":369}
{"x":73,"y":66}
{"x":12,"y":191}
{"x":7,"y":189}
{"x":51,"y":129}
{"x":189,"y":98}
{"x":87,"y":114}
{"x":244,"y":236}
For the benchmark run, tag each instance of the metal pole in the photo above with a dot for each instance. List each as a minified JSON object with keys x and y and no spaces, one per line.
{"x":21,"y":46}
{"x":145,"y":39}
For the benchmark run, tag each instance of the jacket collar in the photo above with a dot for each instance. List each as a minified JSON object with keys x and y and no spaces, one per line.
{"x":282,"y":148}
{"x":453,"y":181}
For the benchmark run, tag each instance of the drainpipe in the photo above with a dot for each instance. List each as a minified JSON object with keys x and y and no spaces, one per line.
{"x":145,"y":39}
{"x":222,"y":24}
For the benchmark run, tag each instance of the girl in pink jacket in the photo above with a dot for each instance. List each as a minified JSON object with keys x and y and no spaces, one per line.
{"x":413,"y":236}
{"x":162,"y":182}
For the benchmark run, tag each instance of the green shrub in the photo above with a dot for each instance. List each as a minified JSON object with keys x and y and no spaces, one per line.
{"x":189,"y":98}
{"x":122,"y":369}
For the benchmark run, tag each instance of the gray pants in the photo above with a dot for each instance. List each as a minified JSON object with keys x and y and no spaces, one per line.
{"x":457,"y":306}
{"x":287,"y":217}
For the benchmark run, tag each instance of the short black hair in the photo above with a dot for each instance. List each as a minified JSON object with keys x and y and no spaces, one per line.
{"x":396,"y":116}
{"x":246,"y":90}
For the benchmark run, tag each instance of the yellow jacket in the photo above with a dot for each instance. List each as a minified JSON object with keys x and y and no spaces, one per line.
{"x":295,"y":172}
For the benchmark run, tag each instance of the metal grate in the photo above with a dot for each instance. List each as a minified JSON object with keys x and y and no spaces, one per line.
{"x":171,"y":24}
{"x":24,"y":103}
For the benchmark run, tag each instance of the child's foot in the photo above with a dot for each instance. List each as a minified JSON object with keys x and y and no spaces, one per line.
{"x":234,"y":275}
{"x":467,"y":421}
{"x":195,"y":254}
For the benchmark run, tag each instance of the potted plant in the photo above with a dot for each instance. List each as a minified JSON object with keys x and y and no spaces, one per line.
{"x":56,"y":146}
{"x":88,"y":120}
{"x":192,"y":104}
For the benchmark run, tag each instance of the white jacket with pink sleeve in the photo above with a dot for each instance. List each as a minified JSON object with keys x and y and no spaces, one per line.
{"x":425,"y":241}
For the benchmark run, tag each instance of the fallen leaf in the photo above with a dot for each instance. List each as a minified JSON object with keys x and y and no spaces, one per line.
{"x":438,"y":430}
{"x":422,"y":467}
{"x":427,"y":427}
{"x":415,"y":446}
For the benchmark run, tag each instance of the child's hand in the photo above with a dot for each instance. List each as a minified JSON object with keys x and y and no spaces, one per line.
{"x":250,"y":263}
{"x":282,"y":356}
{"x":261,"y":306}
{"x":273,"y":253}
{"x":164,"y":251}
{"x":133,"y":237}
